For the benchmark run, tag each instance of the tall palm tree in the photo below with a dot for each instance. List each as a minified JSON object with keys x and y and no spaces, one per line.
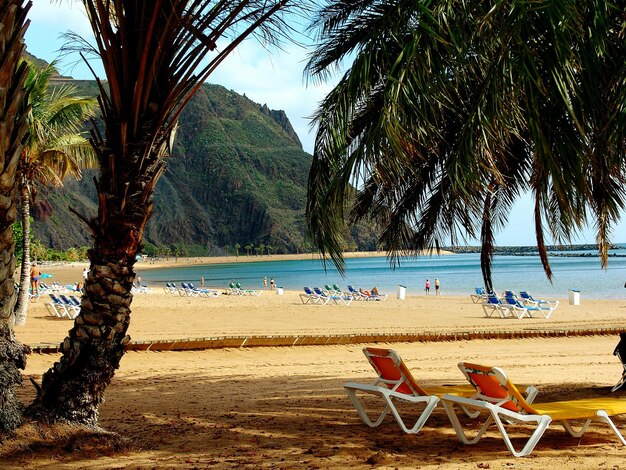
{"x":14,"y":130}
{"x":155,"y":56}
{"x":55,"y":149}
{"x":450,"y":111}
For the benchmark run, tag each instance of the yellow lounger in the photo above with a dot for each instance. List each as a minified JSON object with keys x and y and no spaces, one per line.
{"x":395,"y":383}
{"x":503,"y":401}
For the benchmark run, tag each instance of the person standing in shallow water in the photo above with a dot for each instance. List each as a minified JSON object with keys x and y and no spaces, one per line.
{"x":265,"y":283}
{"x":437,"y":291}
{"x":427,"y":288}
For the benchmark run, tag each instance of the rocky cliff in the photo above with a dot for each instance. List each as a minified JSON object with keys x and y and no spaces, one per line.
{"x":237,"y":176}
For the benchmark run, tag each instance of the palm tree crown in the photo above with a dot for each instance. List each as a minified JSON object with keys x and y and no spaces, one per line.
{"x":53,"y":150}
{"x":450,"y":111}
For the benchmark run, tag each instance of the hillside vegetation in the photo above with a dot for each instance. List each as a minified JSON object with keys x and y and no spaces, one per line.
{"x":237,"y":176}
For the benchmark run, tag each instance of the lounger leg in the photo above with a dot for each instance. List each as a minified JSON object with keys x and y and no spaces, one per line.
{"x":494,"y":416}
{"x":458,"y":428}
{"x":430,"y":402}
{"x":361,"y":410}
{"x":603,"y":416}
{"x":488,"y":309}
{"x":542,"y":424}
{"x":571,"y":431}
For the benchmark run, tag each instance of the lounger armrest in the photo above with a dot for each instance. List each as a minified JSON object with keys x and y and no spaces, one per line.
{"x":482,"y":405}
{"x":382,"y":390}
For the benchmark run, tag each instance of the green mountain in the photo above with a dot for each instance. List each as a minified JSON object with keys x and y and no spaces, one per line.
{"x":237,"y":176}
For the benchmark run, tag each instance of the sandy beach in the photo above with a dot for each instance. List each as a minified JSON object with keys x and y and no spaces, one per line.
{"x":284,"y":407}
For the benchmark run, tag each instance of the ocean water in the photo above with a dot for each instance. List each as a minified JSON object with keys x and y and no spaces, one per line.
{"x":458,"y":274}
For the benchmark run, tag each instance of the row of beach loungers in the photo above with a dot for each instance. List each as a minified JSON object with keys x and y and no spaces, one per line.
{"x":187,"y":289}
{"x":337,"y":296}
{"x":62,"y":306}
{"x":488,"y":396}
{"x":54,"y":288}
{"x":511,"y":305}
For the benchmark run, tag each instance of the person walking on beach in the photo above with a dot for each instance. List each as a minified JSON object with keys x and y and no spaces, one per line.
{"x":272,"y":284}
{"x":35,"y":274}
{"x":427,"y":288}
{"x":437,"y":292}
{"x":201,"y":281}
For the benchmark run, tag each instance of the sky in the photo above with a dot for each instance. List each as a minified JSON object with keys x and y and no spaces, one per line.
{"x":274,"y":78}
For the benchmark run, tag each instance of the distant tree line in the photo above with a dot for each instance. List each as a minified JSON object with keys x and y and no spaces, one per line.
{"x":39,"y":252}
{"x":513,"y":250}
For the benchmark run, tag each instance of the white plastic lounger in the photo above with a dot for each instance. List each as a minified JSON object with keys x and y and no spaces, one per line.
{"x":502,"y":401}
{"x":395,"y":383}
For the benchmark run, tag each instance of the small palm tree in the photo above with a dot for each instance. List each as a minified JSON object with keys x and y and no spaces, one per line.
{"x":55,"y":149}
{"x":237,"y":247}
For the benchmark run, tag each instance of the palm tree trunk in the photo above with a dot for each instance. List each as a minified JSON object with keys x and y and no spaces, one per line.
{"x":21,"y":308}
{"x":74,"y":388}
{"x":13,"y":125}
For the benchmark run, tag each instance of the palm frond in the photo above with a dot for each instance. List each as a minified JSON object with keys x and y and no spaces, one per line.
{"x":451,"y":111}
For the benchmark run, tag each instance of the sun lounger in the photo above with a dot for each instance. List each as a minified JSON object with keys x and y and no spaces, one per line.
{"x":75,"y":300}
{"x":193,"y":291}
{"x":243,"y":291}
{"x":334,"y":298}
{"x":331,"y":290}
{"x":309,"y":297}
{"x":56,"y":307}
{"x":395,"y":383}
{"x":371,"y":295}
{"x":479,"y":295}
{"x":72,"y":308}
{"x":356,"y":295}
{"x":520,"y":310}
{"x":503,"y":402}
{"x":340,"y":291}
{"x":60,"y":307}
{"x":170,"y":288}
{"x":494,"y":305}
{"x":528,"y":299}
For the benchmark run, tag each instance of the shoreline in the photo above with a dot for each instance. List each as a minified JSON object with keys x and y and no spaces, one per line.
{"x":71,"y":271}
{"x":206,"y":260}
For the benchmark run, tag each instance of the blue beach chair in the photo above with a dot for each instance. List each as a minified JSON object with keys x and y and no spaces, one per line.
{"x":493,"y":304}
{"x":520,"y":310}
{"x":528,"y":299}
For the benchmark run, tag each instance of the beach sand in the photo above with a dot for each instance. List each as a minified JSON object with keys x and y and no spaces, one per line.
{"x":284,"y":407}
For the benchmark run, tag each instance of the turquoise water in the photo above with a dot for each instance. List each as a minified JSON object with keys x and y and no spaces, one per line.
{"x":458,"y":274}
